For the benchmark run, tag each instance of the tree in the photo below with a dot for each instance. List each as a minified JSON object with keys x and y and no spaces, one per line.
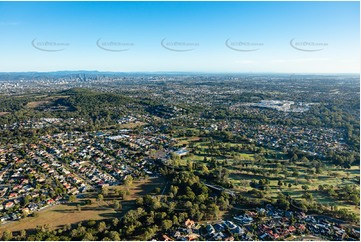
{"x":91,"y":223}
{"x":204,"y":168}
{"x":67,"y":227}
{"x":23,"y":234}
{"x":150,"y":232}
{"x":115,"y":222}
{"x":117,"y":204}
{"x":150,"y":218}
{"x":174,"y":189}
{"x":27,"y":199}
{"x":175,"y":220}
{"x":8,"y":235}
{"x":308,"y":196}
{"x":190,"y":194}
{"x":304,"y":159}
{"x":102,"y":226}
{"x":114,"y":235}
{"x":117,"y":191}
{"x":188,"y":204}
{"x":128,"y":181}
{"x":214,"y":210}
{"x":282,"y":202}
{"x":305,"y":187}
{"x":155,"y":204}
{"x":223,"y":203}
{"x":302,"y":205}
{"x":72,"y":198}
{"x":189,"y":165}
{"x":355,"y":199}
{"x":171,"y":207}
{"x":105,"y":191}
{"x":100,"y":198}
{"x":88,"y":237}
{"x":157,"y":190}
{"x":167,"y":224}
{"x":294,"y":158}
{"x":332,"y":192}
{"x":25,"y":213}
{"x":174,"y":156}
{"x":122,"y":194}
{"x":139,"y":201}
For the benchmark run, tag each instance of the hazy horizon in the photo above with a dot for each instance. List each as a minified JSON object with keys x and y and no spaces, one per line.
{"x":185,"y":72}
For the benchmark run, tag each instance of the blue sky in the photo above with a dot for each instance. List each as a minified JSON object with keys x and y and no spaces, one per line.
{"x":284,"y":37}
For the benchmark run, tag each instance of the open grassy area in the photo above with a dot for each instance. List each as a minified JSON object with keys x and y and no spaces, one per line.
{"x":37,"y":104}
{"x":186,"y":141}
{"x":241,"y":176}
{"x":243,"y":167}
{"x":142,"y":187}
{"x":59,"y":215}
{"x":62,"y":214}
{"x":132,"y":125}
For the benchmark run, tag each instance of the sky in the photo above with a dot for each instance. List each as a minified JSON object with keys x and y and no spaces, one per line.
{"x":244,"y":37}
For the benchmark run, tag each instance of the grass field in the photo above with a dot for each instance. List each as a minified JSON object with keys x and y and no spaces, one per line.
{"x":143,"y":187}
{"x":132,"y":125}
{"x":185,"y":141}
{"x":59,"y":215}
{"x":37,"y":104}
{"x":243,"y":168}
{"x":241,"y":176}
{"x":46,"y":101}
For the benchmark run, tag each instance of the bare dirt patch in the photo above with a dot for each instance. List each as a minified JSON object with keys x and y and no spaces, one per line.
{"x":4,"y":113}
{"x":37,"y":104}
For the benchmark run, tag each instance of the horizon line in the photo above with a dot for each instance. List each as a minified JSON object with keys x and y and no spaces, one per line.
{"x":181,"y":72}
